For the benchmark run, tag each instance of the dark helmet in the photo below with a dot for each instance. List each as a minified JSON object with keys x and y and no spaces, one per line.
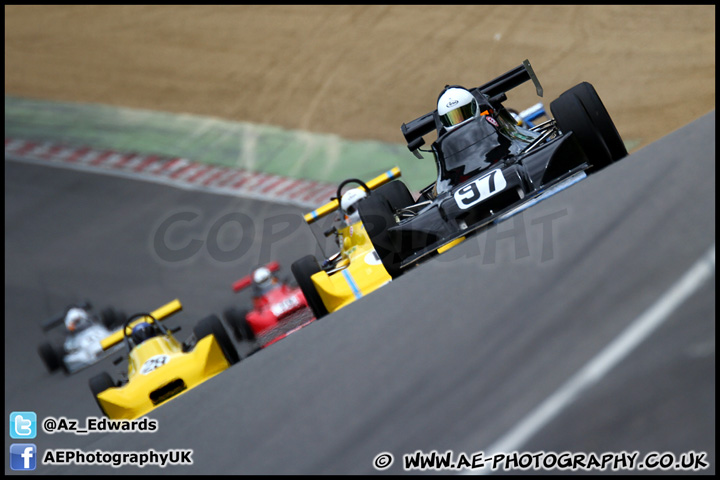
{"x":141,"y":332}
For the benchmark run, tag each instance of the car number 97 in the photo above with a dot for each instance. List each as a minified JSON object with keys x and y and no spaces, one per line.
{"x":480,"y":189}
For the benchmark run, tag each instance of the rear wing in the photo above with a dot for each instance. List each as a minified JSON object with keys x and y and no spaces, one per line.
{"x":333,"y":204}
{"x":421,"y":126}
{"x":246,"y":281}
{"x":159,"y":314}
{"x":53,"y":322}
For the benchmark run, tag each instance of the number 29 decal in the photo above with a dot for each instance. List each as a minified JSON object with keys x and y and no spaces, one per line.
{"x":480,"y":189}
{"x":153,"y":362}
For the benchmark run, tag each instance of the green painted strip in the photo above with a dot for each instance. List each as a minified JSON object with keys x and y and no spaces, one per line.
{"x":259,"y":148}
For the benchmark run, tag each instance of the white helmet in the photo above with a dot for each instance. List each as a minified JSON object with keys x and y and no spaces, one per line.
{"x":456,"y":106}
{"x":75,"y":318}
{"x":261,"y":276}
{"x":348,"y":204}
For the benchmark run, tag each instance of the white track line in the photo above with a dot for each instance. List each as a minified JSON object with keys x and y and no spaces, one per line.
{"x":594,"y":370}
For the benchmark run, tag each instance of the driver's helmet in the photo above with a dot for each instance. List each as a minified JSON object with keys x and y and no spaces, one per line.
{"x":76,"y":319}
{"x":348,"y":203}
{"x":456,"y":106}
{"x":262,"y":278}
{"x":141,"y":332}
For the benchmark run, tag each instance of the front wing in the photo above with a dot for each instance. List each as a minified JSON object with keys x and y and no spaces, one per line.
{"x":364,"y":275}
{"x":145,"y":392}
{"x":456,"y":232}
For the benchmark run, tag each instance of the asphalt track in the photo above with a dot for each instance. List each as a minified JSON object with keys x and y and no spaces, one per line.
{"x":459,"y":354}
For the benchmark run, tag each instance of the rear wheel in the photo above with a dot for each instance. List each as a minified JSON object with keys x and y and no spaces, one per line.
{"x":600,"y":118}
{"x":570,"y":116}
{"x":237,"y":319}
{"x":211,"y":325}
{"x":51,"y":357}
{"x":303,"y":270}
{"x":112,"y":318}
{"x":98,"y":384}
{"x":377,"y":216}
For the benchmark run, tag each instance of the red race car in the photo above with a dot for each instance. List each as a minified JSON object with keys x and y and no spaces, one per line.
{"x":278,"y":308}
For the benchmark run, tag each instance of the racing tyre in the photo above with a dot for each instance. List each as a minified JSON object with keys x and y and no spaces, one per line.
{"x":599,"y":116}
{"x":112,"y":318}
{"x":51,"y":357}
{"x":303,"y":270}
{"x":211,"y":325}
{"x":570,"y":115}
{"x":98,"y":384}
{"x":377,"y":216}
{"x":239,"y":325}
{"x":397,"y":194}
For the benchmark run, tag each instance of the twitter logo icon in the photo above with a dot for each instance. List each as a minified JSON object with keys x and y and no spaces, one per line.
{"x":23,"y":425}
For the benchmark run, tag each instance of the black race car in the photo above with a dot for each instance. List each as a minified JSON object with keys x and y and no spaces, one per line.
{"x":489,"y":168}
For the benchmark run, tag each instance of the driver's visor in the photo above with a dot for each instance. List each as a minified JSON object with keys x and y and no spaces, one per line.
{"x":459,"y":115}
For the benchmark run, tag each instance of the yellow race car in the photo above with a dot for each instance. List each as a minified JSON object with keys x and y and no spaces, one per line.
{"x":159,"y":366}
{"x":356,"y":269}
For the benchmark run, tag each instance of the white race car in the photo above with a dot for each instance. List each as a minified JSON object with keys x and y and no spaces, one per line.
{"x":84,"y":331}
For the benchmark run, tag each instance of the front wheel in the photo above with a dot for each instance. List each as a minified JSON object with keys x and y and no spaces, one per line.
{"x":303,"y":270}
{"x":98,"y":384}
{"x":52,"y":358}
{"x":397,"y":194}
{"x":237,"y":319}
{"x":211,"y":325}
{"x":377,"y":216}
